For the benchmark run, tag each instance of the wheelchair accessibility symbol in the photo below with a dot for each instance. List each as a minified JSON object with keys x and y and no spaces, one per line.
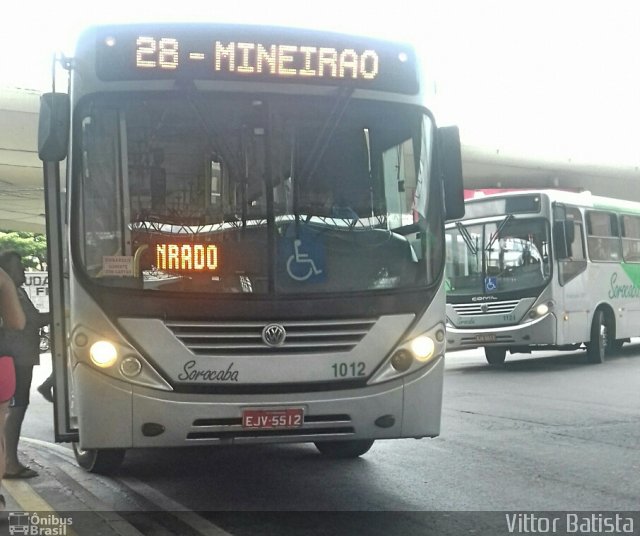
{"x":299,"y":265}
{"x":301,"y":256}
{"x":490,"y":283}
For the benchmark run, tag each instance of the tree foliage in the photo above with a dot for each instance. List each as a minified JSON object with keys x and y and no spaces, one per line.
{"x":31,"y":246}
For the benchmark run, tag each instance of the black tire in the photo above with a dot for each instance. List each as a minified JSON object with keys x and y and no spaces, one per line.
{"x":100,"y":461}
{"x":598,"y":344}
{"x":495,"y":356}
{"x":344,"y":449}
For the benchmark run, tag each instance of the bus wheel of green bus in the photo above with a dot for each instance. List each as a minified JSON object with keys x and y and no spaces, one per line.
{"x":101,"y":461}
{"x":344,"y":449}
{"x":495,"y":356}
{"x":599,"y":342}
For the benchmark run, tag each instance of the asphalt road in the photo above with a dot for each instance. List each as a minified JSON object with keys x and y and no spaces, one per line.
{"x":542,"y":433}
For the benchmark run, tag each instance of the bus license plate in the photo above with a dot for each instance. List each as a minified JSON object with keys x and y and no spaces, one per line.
{"x":270,"y":419}
{"x":486,"y":337}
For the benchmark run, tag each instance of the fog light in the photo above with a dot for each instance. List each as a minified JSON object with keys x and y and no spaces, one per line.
{"x":422,"y":348}
{"x":103,"y":353}
{"x":130,"y":366}
{"x":152,"y":429}
{"x":386,"y":421}
{"x":401,"y":360}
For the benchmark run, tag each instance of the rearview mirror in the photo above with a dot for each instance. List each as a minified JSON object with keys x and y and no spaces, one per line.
{"x":53,"y":127}
{"x":450,"y":160}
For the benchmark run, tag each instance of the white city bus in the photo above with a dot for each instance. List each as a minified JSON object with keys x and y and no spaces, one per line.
{"x":253,"y":244}
{"x":540,"y":270}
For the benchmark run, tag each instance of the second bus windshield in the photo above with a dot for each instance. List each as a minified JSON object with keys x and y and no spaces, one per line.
{"x":502,"y":256}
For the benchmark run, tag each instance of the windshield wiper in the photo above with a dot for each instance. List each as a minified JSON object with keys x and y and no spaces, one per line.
{"x":495,"y":235}
{"x":468,"y":240}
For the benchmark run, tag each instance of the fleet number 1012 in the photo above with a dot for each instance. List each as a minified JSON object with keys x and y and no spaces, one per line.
{"x":348,"y":370}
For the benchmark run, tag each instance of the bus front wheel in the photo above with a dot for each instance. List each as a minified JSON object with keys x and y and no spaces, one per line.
{"x":344,"y":449}
{"x":101,"y":461}
{"x":599,"y":341}
{"x":495,"y":356}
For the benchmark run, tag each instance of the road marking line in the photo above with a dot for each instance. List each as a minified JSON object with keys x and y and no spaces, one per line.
{"x":26,"y":496}
{"x":30,"y":501}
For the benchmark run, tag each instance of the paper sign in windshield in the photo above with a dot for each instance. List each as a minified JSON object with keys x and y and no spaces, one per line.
{"x":117,"y":266}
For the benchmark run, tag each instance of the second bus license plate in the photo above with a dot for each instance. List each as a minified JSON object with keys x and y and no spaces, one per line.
{"x":486,"y":337}
{"x":270,"y":419}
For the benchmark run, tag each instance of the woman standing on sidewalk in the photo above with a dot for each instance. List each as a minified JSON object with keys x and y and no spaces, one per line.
{"x":12,"y":317}
{"x":24,"y":347}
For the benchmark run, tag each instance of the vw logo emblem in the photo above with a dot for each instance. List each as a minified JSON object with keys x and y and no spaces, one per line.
{"x":274,"y":335}
{"x":484,"y":307}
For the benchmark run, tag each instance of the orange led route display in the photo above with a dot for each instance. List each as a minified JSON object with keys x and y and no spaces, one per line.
{"x":187,"y":257}
{"x":276,"y":59}
{"x":252,"y":54}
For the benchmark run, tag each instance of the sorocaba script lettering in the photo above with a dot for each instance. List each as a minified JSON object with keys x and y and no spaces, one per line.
{"x":191,"y":373}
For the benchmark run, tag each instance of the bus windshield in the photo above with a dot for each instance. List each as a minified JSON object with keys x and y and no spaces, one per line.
{"x":231,"y":193}
{"x":503,"y":256}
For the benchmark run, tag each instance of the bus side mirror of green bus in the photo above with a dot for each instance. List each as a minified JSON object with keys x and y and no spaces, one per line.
{"x":53,"y":127}
{"x":451,"y":166}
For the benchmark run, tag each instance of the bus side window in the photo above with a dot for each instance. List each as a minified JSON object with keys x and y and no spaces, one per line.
{"x":630,"y":238}
{"x":603,"y":237}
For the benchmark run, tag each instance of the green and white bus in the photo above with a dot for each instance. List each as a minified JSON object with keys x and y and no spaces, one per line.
{"x":248,"y":246}
{"x":542,"y":270}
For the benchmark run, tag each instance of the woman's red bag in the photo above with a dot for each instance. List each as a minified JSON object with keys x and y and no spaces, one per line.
{"x":7,"y":378}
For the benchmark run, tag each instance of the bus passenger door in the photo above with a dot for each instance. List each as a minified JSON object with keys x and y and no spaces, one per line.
{"x":53,"y":137}
{"x":569,"y":247}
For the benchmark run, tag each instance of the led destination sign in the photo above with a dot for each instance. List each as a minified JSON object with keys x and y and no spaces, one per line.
{"x":276,"y":60}
{"x":187,"y":257}
{"x":258,"y":54}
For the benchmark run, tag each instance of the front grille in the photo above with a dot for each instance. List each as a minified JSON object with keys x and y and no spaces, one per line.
{"x":237,"y":339}
{"x":230,"y":429}
{"x":493,"y":308}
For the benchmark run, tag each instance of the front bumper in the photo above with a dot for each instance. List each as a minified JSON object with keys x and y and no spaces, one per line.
{"x":539,"y":332}
{"x":414,"y":402}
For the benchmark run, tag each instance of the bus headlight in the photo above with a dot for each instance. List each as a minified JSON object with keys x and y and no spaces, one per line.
{"x":422,"y":348}
{"x":540,"y":310}
{"x":412,"y":354}
{"x":112,"y":355}
{"x":103,"y":354}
